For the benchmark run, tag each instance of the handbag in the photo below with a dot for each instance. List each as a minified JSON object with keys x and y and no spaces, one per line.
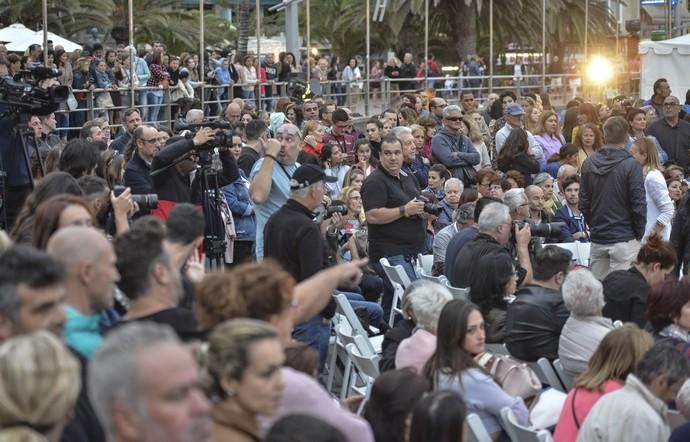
{"x":72,"y":102}
{"x":516,"y":378}
{"x":104,"y":100}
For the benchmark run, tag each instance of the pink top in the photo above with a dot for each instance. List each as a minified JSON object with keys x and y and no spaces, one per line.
{"x":567,"y":429}
{"x":415,"y":350}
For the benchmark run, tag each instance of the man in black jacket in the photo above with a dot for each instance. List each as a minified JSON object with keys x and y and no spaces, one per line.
{"x":494,"y":236}
{"x":535,"y":319}
{"x":146,"y":144}
{"x":173,"y":183}
{"x":612,"y":200}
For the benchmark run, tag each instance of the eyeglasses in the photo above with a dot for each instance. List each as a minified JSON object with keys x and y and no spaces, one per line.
{"x":456,"y":119}
{"x":152,"y":140}
{"x":671,"y":104}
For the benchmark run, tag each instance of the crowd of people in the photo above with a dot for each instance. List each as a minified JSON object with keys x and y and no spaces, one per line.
{"x":162,"y":286}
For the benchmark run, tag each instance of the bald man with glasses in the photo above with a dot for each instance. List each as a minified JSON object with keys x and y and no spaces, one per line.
{"x":673,"y":133}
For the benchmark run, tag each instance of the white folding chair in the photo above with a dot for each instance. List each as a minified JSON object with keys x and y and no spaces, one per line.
{"x":566,"y":379}
{"x":549,"y":376}
{"x":477,"y":429}
{"x":345,"y":309}
{"x":518,"y":433}
{"x":399,"y":280}
{"x":457,"y":292}
{"x":343,"y":338}
{"x":429,"y":277}
{"x":425,"y":263}
{"x":367,"y":368}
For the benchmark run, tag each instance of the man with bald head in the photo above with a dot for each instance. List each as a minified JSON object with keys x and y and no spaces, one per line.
{"x":91,"y":275}
{"x":436,"y":106}
{"x":232,"y":112}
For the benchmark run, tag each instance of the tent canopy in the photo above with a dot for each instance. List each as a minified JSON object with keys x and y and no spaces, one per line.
{"x":667,"y":59}
{"x":20,"y":45}
{"x":16,"y":31}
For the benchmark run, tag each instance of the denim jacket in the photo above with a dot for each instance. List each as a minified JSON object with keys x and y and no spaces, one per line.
{"x":143,"y":72}
{"x":242,"y":208}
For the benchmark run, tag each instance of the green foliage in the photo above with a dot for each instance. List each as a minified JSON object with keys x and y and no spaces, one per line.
{"x":154,"y":20}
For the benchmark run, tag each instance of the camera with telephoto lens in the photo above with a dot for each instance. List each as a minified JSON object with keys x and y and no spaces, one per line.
{"x":336,"y":206}
{"x":543,"y":230}
{"x":429,"y":207}
{"x":222,"y":139}
{"x":147,"y":201}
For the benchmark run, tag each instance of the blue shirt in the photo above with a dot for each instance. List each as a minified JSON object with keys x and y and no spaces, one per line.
{"x":280,"y":189}
{"x":82,"y":332}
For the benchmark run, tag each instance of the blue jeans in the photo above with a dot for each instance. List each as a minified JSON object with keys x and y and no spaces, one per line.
{"x":387,"y":299}
{"x":142,"y":100}
{"x":315,"y":333}
{"x":155,"y":98}
{"x":374,"y":311}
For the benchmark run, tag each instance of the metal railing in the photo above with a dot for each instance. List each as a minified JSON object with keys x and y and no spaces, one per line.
{"x":369,"y":99}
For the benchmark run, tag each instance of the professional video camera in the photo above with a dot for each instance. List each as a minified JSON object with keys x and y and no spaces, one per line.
{"x":298,"y":87}
{"x":24,"y":94}
{"x":543,"y":230}
{"x":222,"y":139}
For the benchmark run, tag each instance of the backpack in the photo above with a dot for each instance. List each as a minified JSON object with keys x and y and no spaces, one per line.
{"x":516,"y":378}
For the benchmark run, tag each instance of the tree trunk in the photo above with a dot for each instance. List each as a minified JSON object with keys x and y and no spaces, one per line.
{"x":463,"y":27}
{"x":243,"y":20}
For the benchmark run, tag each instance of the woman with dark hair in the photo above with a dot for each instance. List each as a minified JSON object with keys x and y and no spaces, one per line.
{"x":286,"y":65}
{"x":294,"y":113}
{"x":58,"y":212}
{"x":626,"y":291}
{"x":668,"y":313}
{"x":438,"y":175}
{"x":588,"y":139}
{"x":516,"y":155}
{"x":567,"y":155}
{"x":453,"y":366}
{"x":492,"y":288}
{"x":53,"y":184}
{"x":438,"y":417}
{"x":675,"y":190}
{"x":637,"y":120}
{"x":393,"y":397}
{"x":569,"y":124}
{"x":159,"y":78}
{"x":333,"y":161}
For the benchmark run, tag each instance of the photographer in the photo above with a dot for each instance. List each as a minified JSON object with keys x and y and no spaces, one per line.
{"x":394,"y":215}
{"x":173,"y":183}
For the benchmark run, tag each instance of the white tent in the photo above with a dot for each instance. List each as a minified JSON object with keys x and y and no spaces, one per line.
{"x":668,"y":59}
{"x":37,"y":38}
{"x":16,"y":31}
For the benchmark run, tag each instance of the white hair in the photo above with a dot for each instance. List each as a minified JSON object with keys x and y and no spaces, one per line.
{"x":113,"y":370}
{"x":426,"y":302}
{"x":683,"y":399}
{"x":515,"y":198}
{"x":493,"y":215}
{"x":399,"y":131}
{"x":453,"y":181}
{"x":450,"y":109}
{"x":565,"y":169}
{"x":583,"y":294}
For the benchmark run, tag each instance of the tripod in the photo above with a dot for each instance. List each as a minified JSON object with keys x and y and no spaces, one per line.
{"x":212,"y":206}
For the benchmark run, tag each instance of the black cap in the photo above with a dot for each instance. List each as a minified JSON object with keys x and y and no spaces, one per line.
{"x":308,"y":174}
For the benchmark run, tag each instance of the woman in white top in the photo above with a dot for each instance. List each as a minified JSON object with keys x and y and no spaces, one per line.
{"x":248,"y":77}
{"x":659,"y":204}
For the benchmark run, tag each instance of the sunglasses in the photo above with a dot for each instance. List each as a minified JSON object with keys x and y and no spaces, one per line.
{"x":456,"y":119}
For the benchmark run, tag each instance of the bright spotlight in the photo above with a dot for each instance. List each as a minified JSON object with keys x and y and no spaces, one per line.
{"x":599,"y":70}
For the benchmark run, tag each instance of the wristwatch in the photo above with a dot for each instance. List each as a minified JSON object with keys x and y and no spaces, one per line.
{"x":402,"y":211}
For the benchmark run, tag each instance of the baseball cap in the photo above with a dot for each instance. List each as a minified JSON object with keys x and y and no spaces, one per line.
{"x":515,"y":109}
{"x":308,"y":174}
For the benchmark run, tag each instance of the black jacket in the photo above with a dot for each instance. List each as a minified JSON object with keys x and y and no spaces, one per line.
{"x":625,"y":293}
{"x":464,"y":266}
{"x":138,"y":176}
{"x":612,"y":196}
{"x":391,"y":340}
{"x":172,"y":187}
{"x":534,"y":322}
{"x":84,"y":425}
{"x":680,"y":235}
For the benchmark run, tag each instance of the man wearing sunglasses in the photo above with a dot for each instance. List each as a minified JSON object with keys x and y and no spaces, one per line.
{"x":452,"y":148}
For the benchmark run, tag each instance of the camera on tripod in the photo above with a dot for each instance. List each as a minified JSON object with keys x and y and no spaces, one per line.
{"x":222,"y":139}
{"x":24,"y":94}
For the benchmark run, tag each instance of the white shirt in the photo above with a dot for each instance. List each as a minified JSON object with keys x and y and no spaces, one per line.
{"x":659,"y":204}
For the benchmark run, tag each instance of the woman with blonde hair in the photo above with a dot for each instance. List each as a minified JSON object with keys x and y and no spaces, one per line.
{"x":617,"y":356}
{"x":588,"y":139}
{"x":548,"y":134}
{"x":470,"y":129}
{"x":660,"y":207}
{"x":243,"y":377}
{"x":39,"y":386}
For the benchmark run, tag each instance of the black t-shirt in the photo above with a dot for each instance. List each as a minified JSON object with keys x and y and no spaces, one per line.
{"x":248,"y":157}
{"x":625,"y":293}
{"x":180,"y":319}
{"x":404,"y":236}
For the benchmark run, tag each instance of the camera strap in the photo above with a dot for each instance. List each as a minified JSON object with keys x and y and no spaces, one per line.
{"x":275,"y":160}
